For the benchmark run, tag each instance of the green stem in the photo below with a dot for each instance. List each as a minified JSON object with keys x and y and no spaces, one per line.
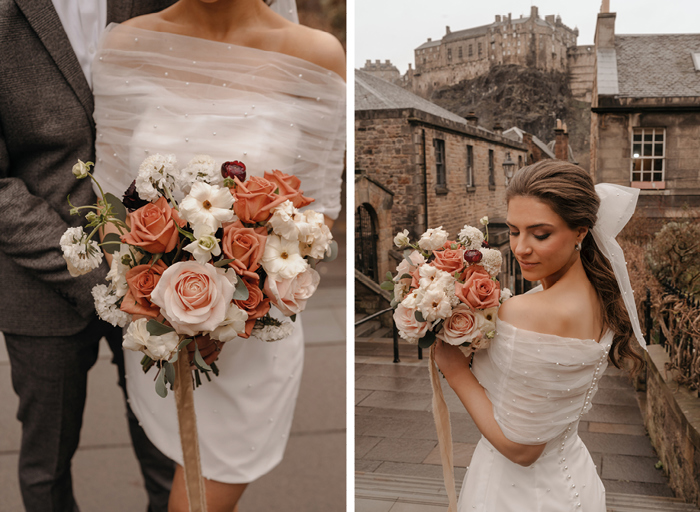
{"x":171,"y":198}
{"x":102,"y":192}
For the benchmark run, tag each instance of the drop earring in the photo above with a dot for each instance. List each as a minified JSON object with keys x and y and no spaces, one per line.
{"x":578,"y":246}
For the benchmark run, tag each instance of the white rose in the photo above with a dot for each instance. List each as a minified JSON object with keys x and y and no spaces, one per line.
{"x":434,"y":305}
{"x":409,"y":328}
{"x":81,"y":170}
{"x":232,"y":326}
{"x":401,"y":240}
{"x":138,"y":338}
{"x":290,"y":295}
{"x":484,"y":220}
{"x":433,"y":239}
{"x":205,"y":245}
{"x":285,"y":221}
{"x":404,"y":268}
{"x":505,"y":295}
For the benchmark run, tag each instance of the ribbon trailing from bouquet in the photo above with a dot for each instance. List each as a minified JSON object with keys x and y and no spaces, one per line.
{"x":187,"y":421}
{"x":441,"y":415}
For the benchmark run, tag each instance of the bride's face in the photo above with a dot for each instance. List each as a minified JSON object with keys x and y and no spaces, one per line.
{"x":543,"y":244}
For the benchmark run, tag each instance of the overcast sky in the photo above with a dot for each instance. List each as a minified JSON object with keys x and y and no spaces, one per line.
{"x":392,"y":29}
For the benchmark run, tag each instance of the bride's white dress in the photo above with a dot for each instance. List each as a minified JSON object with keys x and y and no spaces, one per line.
{"x":540,"y":385}
{"x":166,"y":93}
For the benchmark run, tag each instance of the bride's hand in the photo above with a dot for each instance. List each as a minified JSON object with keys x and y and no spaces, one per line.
{"x":450,"y":359}
{"x":208,"y":348}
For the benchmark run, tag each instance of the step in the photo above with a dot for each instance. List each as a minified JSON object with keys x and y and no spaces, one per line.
{"x":367,"y":328}
{"x":431,"y":491}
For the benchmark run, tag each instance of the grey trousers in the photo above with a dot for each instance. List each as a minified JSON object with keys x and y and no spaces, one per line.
{"x":49,"y":374}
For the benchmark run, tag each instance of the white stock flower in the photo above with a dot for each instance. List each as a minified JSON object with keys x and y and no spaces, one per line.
{"x":106,"y":306}
{"x":505,"y":294}
{"x":491,"y":261}
{"x":81,"y":170}
{"x":81,"y":255}
{"x":205,"y":245}
{"x":314,"y":236}
{"x":285,"y":221}
{"x":156,"y":172}
{"x":201,"y":168}
{"x":207,"y":204}
{"x":401,"y":239}
{"x":433,"y":239}
{"x":484,"y":220}
{"x":471,"y":238}
{"x":282,"y":258}
{"x":273,"y":332}
{"x":435,"y":305}
{"x":232,"y":326}
{"x":138,"y":338}
{"x":117,"y":272}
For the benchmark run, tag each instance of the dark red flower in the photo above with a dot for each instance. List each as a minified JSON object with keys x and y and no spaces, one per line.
{"x":485,"y":244}
{"x":131,"y":198}
{"x":473,"y":256}
{"x":233,"y":169}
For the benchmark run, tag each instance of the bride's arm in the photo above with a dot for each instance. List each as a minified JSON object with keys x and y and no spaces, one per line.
{"x":455,"y":366}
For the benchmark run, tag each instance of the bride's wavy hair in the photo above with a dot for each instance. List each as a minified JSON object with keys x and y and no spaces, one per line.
{"x":569,"y":191}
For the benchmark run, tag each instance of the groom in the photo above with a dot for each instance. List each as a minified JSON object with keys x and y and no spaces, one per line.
{"x":47,"y":317}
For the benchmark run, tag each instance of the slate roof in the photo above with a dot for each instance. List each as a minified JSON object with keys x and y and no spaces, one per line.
{"x":516,"y":134}
{"x":657,"y":65}
{"x":429,"y":44}
{"x":373,"y":93}
{"x":469,"y":32}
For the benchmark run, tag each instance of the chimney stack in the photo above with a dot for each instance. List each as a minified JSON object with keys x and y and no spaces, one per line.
{"x":498,"y":128}
{"x":605,"y":6}
{"x":498,"y":18}
{"x":605,"y":30}
{"x":533,"y":12}
{"x":472,"y":119}
{"x":429,"y":39}
{"x":561,"y":142}
{"x":447,"y":29}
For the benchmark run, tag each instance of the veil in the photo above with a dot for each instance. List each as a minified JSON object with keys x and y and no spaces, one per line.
{"x":286,"y":8}
{"x":617,"y":205}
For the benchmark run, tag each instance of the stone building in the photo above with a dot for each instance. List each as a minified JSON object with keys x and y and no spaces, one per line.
{"x":645,"y":121}
{"x":464,"y":54}
{"x":442,"y":169}
{"x":384,"y":70}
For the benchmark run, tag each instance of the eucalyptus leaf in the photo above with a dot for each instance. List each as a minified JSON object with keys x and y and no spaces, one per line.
{"x":406,"y":276}
{"x":169,"y":372}
{"x":111,"y":243}
{"x":387,"y":285}
{"x":293,"y":318}
{"x":223,"y":263}
{"x":333,"y":248}
{"x":407,"y":256}
{"x":199,"y":360}
{"x":394,"y":303}
{"x":419,"y":316}
{"x":156,"y":257}
{"x":389,"y":276}
{"x":184,"y":233}
{"x":241,"y":292}
{"x":118,"y":208}
{"x":155,"y":328}
{"x":427,"y":340}
{"x":161,"y":388}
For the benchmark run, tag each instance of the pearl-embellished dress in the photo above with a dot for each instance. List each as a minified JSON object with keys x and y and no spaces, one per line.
{"x":171,"y":94}
{"x":540,"y":385}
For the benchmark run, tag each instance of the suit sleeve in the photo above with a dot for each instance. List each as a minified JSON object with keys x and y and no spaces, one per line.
{"x":30,"y":231}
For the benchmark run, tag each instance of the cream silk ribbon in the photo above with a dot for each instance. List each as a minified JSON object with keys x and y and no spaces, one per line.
{"x":444,"y":432}
{"x":184,"y":398}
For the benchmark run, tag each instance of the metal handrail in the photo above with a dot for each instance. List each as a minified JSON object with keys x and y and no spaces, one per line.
{"x":395,"y":332}
{"x":373,"y":316}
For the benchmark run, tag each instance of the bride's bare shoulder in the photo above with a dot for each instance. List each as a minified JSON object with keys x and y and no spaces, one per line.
{"x":153,"y":21}
{"x":317,"y":46}
{"x":537,"y":312}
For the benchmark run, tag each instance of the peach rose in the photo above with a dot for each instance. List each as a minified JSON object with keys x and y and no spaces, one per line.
{"x":462,"y":326}
{"x":409,"y":328}
{"x":289,"y":188}
{"x":403,"y":267}
{"x":254,"y":199}
{"x":290,"y":295}
{"x":449,"y":260}
{"x":478,"y":291}
{"x":142,"y":279}
{"x":256,"y":305}
{"x":246,"y":246}
{"x":153,"y":227}
{"x":193,"y":297}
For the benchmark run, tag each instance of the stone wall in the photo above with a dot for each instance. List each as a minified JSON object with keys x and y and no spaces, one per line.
{"x":672,"y":420}
{"x":581,"y":66}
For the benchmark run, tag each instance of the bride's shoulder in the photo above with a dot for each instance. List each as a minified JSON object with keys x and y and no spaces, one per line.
{"x":317,"y":46}
{"x":537,"y":312}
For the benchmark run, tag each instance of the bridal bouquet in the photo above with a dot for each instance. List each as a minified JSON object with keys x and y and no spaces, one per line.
{"x":447,"y":289}
{"x":211,"y":264}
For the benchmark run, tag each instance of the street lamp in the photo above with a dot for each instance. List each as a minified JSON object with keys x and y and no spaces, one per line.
{"x":508,"y":167}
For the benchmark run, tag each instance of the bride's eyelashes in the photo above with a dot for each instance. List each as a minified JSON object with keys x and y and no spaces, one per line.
{"x":539,"y":237}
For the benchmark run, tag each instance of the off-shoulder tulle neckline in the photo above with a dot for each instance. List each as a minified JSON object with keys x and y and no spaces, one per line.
{"x":305,"y":62}
{"x":580,"y":340}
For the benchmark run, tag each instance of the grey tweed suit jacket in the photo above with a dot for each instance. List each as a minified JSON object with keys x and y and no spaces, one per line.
{"x":46,"y":125}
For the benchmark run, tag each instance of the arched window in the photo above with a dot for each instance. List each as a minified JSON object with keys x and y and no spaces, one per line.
{"x":366,"y":241}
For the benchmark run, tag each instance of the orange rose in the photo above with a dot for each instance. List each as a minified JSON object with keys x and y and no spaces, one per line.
{"x":478,"y":291}
{"x":289,"y":188}
{"x":153,"y":227}
{"x":141,"y":280}
{"x":256,"y":305}
{"x":254,"y":199}
{"x":246,"y":246}
{"x":449,"y":260}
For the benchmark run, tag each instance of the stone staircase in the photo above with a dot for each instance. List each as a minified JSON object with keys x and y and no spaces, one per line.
{"x":431,"y":492}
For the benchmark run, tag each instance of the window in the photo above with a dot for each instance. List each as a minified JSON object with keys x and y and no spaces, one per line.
{"x":492,"y":171}
{"x":460,"y":53}
{"x":440,"y":173}
{"x":449,"y":54}
{"x":648,"y":154}
{"x":470,"y":166}
{"x":470,"y":53}
{"x":479,"y":46}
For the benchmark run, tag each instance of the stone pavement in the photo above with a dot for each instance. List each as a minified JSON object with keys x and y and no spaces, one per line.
{"x":312,"y":476}
{"x":395,"y":438}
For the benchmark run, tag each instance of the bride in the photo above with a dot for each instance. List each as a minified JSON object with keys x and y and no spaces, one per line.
{"x":529,"y":389}
{"x":234,"y":80}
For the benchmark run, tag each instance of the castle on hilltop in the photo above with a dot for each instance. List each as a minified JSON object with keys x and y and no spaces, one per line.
{"x":545,"y":44}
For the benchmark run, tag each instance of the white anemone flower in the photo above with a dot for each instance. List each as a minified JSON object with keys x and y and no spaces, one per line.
{"x":282,"y":258}
{"x":285,"y":221}
{"x":207,"y":204}
{"x":434,"y":305}
{"x":205,"y":245}
{"x":314,"y":235}
{"x":433,"y":239}
{"x":156,"y":173}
